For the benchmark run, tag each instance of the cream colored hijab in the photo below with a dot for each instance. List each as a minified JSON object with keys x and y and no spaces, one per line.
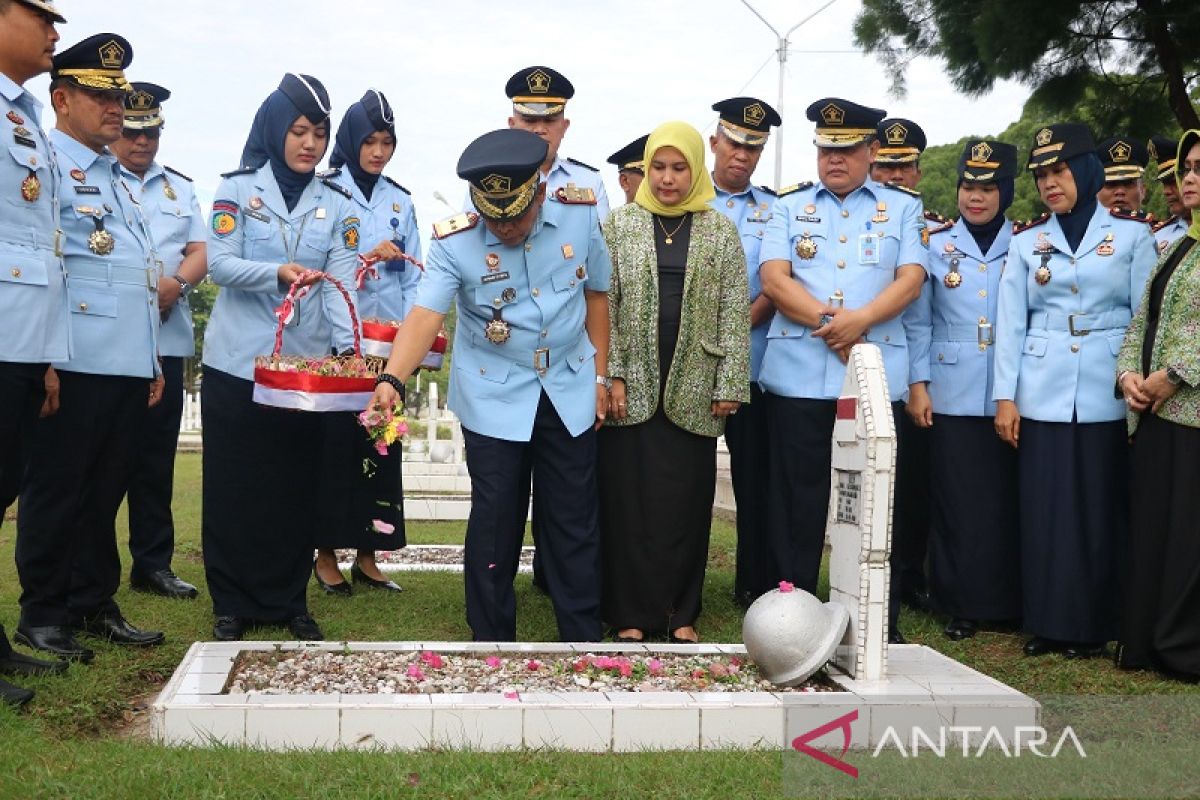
{"x":687,"y":140}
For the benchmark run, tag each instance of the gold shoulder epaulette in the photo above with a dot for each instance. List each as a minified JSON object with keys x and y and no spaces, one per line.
{"x":575,"y":195}
{"x":1158,"y":226}
{"x":1136,"y":216}
{"x":905,"y":189}
{"x":795,"y":187}
{"x":1033,"y":223}
{"x":933,"y":216}
{"x":456,"y":224}
{"x":946,"y":225}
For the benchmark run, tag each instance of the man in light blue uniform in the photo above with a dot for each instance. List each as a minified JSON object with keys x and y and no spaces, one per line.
{"x":742,"y":131}
{"x":33,"y":288}
{"x":841,"y":260}
{"x":82,"y":458}
{"x":1163,"y":150}
{"x":529,"y":383}
{"x":177,"y":227}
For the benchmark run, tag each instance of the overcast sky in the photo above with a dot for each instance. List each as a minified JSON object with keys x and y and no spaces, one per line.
{"x":443,"y":66}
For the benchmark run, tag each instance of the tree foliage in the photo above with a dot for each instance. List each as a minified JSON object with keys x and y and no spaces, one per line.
{"x":1059,"y":48}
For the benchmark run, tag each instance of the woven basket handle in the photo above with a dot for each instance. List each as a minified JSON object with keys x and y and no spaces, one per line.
{"x":295,"y":293}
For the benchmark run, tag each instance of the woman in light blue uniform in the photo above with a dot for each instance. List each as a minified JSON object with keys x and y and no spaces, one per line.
{"x":273,"y":222}
{"x":365,"y":143}
{"x":1069,"y":289}
{"x":974,"y":560}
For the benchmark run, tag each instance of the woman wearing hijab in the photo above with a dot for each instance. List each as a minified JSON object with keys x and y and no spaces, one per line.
{"x":274,"y":224}
{"x":679,"y":359}
{"x":1159,"y":375}
{"x":973,"y":556}
{"x":365,"y":143}
{"x":1069,"y":289}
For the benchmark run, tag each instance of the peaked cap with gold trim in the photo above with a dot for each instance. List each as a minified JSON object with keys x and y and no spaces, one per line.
{"x":1123,"y":157}
{"x":1162,"y":150}
{"x":987,"y":161}
{"x":539,"y":91}
{"x":632,"y":156}
{"x":1058,"y":142}
{"x":143,"y":106}
{"x":747,"y":120}
{"x":97,"y":63}
{"x":503,"y":170}
{"x":841,"y":123}
{"x":901,"y":141}
{"x":47,"y":7}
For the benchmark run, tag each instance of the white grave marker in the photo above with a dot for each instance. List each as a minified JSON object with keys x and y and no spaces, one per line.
{"x":860,"y":512}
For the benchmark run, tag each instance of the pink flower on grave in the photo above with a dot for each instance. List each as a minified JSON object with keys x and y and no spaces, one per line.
{"x":655,"y":666}
{"x":533,"y":665}
{"x":493,"y":662}
{"x":579,"y":665}
{"x":510,"y":695}
{"x":415,"y":672}
{"x":698,"y":673}
{"x":734,"y":661}
{"x":431,"y":659}
{"x":786,"y":587}
{"x":382,"y":527}
{"x":718,"y":670}
{"x":625,"y":667}
{"x":381,"y":447}
{"x":602,"y":662}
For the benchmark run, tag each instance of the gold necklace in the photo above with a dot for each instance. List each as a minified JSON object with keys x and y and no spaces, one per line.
{"x":669,"y":235}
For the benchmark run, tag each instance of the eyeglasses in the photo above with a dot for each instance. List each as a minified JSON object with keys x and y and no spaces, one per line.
{"x":133,"y":133}
{"x":1183,"y":168}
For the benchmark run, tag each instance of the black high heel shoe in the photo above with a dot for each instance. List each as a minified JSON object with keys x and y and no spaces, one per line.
{"x":358,"y":576}
{"x":342,"y":588}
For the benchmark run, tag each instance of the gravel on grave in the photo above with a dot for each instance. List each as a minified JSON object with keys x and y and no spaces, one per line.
{"x":448,"y":555}
{"x":428,"y":672}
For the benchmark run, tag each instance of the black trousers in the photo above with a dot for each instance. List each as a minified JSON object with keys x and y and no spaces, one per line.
{"x":79,"y":466}
{"x":262,"y":467}
{"x":151,"y":527}
{"x":747,"y":439}
{"x":799,"y":456}
{"x":564,"y":499}
{"x":22,"y":390}
{"x":910,"y":533}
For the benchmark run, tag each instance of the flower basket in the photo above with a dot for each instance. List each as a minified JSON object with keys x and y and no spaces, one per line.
{"x":313,"y":383}
{"x":378,"y":334}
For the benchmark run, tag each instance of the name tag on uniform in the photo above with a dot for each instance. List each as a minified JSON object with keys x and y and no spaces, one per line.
{"x":493,"y":277}
{"x":87,"y":190}
{"x":24,"y":141}
{"x":256,"y":215}
{"x":868,"y":248}
{"x":800,"y":218}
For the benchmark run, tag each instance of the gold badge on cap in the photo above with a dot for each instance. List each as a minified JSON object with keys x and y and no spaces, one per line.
{"x":753,"y":114}
{"x":1044,"y":136}
{"x":538,"y":82}
{"x":1153,"y":150}
{"x":111,"y":55}
{"x":981,"y":152}
{"x":141,"y":100}
{"x":496,"y":184}
{"x":832,"y":114}
{"x":806,"y":248}
{"x":896,"y":133}
{"x":1120,"y":152}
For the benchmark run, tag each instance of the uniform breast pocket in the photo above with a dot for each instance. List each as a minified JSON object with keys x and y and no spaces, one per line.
{"x":495,"y":295}
{"x":888,"y":250}
{"x":569,"y":279}
{"x":92,"y":301}
{"x":32,"y":186}
{"x":315,"y":245}
{"x":259,"y":242}
{"x":28,"y":270}
{"x":810,"y":248}
{"x":177,"y":221}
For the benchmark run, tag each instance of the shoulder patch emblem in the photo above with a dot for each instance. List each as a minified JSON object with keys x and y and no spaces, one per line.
{"x":795,"y":187}
{"x":456,"y":224}
{"x":575,"y":196}
{"x":177,"y":174}
{"x":350,"y":232}
{"x":579,"y":163}
{"x":224,"y":217}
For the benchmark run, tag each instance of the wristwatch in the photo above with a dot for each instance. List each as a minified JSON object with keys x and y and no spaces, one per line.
{"x":605,"y":381}
{"x":184,"y":287}
{"x":1173,"y":377}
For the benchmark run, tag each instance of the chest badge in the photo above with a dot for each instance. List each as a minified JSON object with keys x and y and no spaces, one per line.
{"x":880,"y":213}
{"x":493,"y":262}
{"x":568,"y":252}
{"x":169,"y":191}
{"x":1106,"y":247}
{"x":953,"y":278}
{"x":255,"y":202}
{"x":395,"y":208}
{"x":497,"y":331}
{"x":15,"y":118}
{"x":806,"y":248}
{"x":1042,"y":274}
{"x":100,"y":241}
{"x":31,"y":188}
{"x":810,"y":209}
{"x":79,"y":175}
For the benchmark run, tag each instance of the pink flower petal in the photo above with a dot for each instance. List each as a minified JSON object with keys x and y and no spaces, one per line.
{"x":383,"y":527}
{"x":415,"y":672}
{"x":381,"y":447}
{"x":493,"y":662}
{"x":533,"y":665}
{"x":510,"y":695}
{"x":786,"y":587}
{"x":655,"y":666}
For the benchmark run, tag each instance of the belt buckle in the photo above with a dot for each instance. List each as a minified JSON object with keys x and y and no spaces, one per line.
{"x":1071,"y":326}
{"x":541,"y":360}
{"x":985,"y":335}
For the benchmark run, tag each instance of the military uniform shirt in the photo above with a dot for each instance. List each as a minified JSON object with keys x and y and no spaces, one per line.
{"x":750,"y":211}
{"x":856,"y":247}
{"x":251,"y":234}
{"x":537,"y":288}
{"x":1169,"y":233}
{"x":1052,"y":374}
{"x":33,"y":283}
{"x":389,"y":292}
{"x":113,"y":295}
{"x":175,"y":222}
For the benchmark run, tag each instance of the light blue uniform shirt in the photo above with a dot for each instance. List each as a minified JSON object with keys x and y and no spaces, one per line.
{"x":1167,"y":234}
{"x":1052,"y":374}
{"x":951,"y":330}
{"x":562,"y":172}
{"x":113,"y":298}
{"x":856,"y":254}
{"x":246,"y":247}
{"x":33,"y":283}
{"x":174,"y":223}
{"x":538,"y":288}
{"x":750,"y":211}
{"x":387,"y":216}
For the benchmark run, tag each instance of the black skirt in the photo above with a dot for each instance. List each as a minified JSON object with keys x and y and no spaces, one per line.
{"x":260,"y":504}
{"x":974,"y":546}
{"x":359,"y":486}
{"x":1160,"y":623}
{"x":1074,"y":498}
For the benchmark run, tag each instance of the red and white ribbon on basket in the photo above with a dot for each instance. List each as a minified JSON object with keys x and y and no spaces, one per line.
{"x":366,"y":267}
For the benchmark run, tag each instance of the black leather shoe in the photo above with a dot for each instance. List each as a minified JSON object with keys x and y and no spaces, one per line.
{"x":14,"y":695}
{"x":15,"y":663}
{"x":341,"y":588}
{"x":960,"y":628}
{"x":1083,"y":650}
{"x":229,"y":629}
{"x":358,"y":576}
{"x":56,"y":639}
{"x":304,"y":628}
{"x":1039,"y":646}
{"x":116,"y":629}
{"x":163,"y":582}
{"x":896,"y":637}
{"x":917,"y":599}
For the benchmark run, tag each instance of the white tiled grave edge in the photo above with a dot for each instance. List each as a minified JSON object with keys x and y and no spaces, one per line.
{"x":924,"y":689}
{"x":391,"y":566}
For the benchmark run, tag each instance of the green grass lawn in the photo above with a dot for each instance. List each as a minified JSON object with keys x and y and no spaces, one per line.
{"x":84,"y":735}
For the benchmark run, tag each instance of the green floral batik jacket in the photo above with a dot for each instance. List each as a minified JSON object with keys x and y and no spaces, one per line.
{"x":1177,"y":343}
{"x":712,"y":356}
